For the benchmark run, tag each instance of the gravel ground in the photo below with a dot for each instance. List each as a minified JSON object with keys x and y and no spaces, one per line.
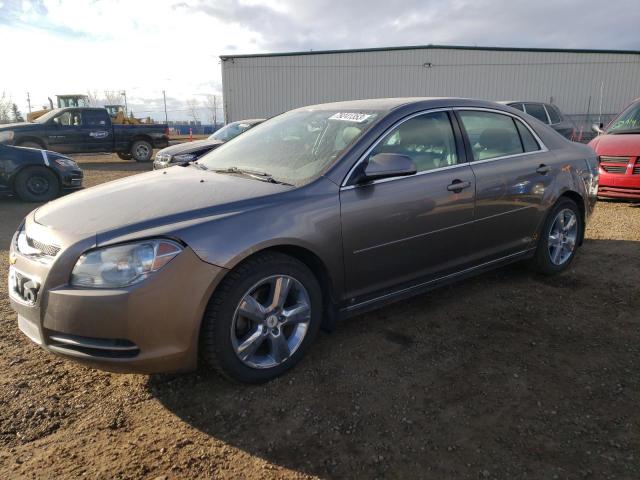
{"x":507,"y":375}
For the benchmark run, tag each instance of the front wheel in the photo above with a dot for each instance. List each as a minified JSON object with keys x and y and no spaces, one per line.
{"x":36,"y":184}
{"x":262,"y":319}
{"x":559,"y":238}
{"x":141,"y":151}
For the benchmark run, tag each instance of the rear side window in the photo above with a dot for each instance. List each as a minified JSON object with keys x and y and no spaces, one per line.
{"x":554,"y":115}
{"x":95,"y":118}
{"x":427,"y":139}
{"x":491,"y":134}
{"x":528,"y":141}
{"x":537,"y":110}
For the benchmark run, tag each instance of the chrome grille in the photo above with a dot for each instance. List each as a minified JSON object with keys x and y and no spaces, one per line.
{"x":624,"y":160}
{"x":636,"y":169}
{"x":614,"y":168}
{"x":50,"y":250}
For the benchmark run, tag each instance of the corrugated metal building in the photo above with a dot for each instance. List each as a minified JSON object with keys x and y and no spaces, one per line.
{"x":578,"y":81}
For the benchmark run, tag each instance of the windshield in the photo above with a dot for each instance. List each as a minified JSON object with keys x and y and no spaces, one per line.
{"x":230,"y":131}
{"x":295,"y":147}
{"x":47,"y":116}
{"x":627,"y":121}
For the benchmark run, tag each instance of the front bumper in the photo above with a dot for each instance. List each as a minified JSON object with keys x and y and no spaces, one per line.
{"x":149,"y":327}
{"x":71,"y":180}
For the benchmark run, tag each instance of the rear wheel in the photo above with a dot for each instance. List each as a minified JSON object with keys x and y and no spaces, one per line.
{"x":141,"y":151}
{"x":36,"y":184}
{"x":124,"y":156}
{"x":262,"y":319}
{"x":559,"y":238}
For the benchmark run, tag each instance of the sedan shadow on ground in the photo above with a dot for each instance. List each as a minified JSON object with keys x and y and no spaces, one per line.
{"x":505,"y":375}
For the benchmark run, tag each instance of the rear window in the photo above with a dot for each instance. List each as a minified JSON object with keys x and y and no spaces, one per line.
{"x":537,"y":110}
{"x":529,"y":143}
{"x":491,"y":134}
{"x":554,"y":115}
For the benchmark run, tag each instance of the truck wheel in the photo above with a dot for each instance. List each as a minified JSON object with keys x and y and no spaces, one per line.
{"x":31,"y":145}
{"x":124,"y":156}
{"x":36,"y":184}
{"x":141,"y":151}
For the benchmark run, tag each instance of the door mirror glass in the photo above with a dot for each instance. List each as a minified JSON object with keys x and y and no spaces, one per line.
{"x":386,"y":165}
{"x":598,"y":128}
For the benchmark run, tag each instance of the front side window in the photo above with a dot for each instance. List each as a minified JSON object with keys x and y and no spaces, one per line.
{"x":491,"y":134}
{"x":69,"y":118}
{"x":295,"y":147}
{"x":427,"y":139}
{"x":537,"y":110}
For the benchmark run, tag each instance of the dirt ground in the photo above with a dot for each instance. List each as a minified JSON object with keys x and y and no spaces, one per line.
{"x":507,"y":375}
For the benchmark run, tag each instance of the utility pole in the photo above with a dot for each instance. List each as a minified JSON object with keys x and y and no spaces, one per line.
{"x":126,"y":110}
{"x":29,"y":101}
{"x":164,"y":97}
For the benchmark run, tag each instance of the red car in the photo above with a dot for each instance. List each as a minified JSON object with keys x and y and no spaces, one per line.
{"x":618,"y":147}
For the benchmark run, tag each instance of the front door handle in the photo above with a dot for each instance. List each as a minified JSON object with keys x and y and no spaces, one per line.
{"x":543,"y":169}
{"x":457,"y":186}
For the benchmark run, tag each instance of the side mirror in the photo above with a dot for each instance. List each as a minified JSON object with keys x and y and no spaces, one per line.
{"x":598,"y":128}
{"x":386,"y":165}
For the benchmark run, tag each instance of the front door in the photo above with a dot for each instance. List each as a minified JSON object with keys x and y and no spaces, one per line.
{"x":512,"y":172}
{"x":65,"y":134}
{"x":407,"y":229}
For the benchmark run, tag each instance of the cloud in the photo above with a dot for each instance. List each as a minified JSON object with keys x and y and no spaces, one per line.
{"x":146,"y":46}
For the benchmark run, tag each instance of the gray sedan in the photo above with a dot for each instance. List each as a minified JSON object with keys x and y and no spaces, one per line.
{"x":315,"y":215}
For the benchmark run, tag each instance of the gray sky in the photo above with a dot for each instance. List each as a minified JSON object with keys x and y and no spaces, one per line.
{"x":145,"y":46}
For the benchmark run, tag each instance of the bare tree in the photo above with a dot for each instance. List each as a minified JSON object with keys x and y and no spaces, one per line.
{"x":94,"y":98}
{"x":212,"y":104}
{"x":192,"y":108}
{"x":113,"y":97}
{"x":5,"y":108}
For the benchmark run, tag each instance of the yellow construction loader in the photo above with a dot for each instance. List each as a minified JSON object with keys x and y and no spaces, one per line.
{"x":63,"y":101}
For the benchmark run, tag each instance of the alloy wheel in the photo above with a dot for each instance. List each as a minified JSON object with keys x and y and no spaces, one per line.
{"x":270,"y":321}
{"x":563,"y":236}
{"x":37,"y":185}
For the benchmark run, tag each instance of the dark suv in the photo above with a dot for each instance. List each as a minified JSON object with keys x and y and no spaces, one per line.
{"x":547,"y":114}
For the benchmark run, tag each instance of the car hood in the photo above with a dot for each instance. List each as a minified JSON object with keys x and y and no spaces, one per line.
{"x":621,"y":145}
{"x":16,"y":126}
{"x":141,"y":202}
{"x":188,"y":147}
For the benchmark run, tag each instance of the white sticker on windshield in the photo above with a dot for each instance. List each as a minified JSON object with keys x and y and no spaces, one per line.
{"x":351,"y":117}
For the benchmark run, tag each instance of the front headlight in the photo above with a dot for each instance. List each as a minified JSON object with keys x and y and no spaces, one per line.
{"x":123,"y":265}
{"x":6,"y":136}
{"x":66,"y":162}
{"x":185,"y":157}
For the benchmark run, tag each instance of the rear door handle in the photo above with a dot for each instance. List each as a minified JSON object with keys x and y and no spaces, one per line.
{"x":543,"y":169}
{"x":457,"y":186}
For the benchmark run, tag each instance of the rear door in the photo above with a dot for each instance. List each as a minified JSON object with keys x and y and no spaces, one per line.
{"x":96,"y":131}
{"x":400,"y":230}
{"x":512,"y":170}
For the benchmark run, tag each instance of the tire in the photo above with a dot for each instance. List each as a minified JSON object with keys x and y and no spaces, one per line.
{"x":554,"y":252}
{"x":31,"y":145}
{"x":225,"y":330}
{"x":124,"y":156}
{"x":141,"y":151}
{"x":36,"y":184}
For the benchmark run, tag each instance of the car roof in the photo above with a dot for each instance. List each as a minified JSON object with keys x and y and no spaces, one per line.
{"x":388,"y":104}
{"x":509,"y":102}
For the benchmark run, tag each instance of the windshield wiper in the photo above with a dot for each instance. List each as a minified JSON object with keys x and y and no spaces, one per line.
{"x":258,"y":175}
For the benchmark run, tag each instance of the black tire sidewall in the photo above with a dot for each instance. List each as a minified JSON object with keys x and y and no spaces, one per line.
{"x":133,"y":149}
{"x":22,"y":191}
{"x":543,"y":261}
{"x":222,"y":315}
